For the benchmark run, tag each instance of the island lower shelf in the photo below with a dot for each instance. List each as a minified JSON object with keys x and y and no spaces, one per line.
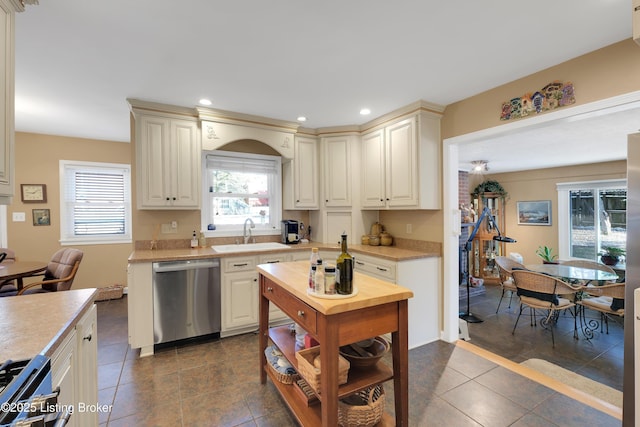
{"x":358,"y":379}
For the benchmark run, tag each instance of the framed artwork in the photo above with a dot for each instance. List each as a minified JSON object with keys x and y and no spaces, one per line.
{"x":41,"y":217}
{"x":534,"y":213}
{"x":33,"y":193}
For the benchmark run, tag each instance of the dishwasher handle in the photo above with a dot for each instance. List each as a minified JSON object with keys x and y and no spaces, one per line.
{"x":166,"y":267}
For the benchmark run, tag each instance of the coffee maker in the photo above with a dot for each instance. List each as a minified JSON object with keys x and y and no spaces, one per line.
{"x":290,"y":229}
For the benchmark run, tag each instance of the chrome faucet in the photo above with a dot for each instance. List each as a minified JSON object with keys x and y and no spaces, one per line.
{"x":246,"y":236}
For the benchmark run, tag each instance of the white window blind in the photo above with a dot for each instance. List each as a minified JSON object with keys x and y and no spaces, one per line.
{"x":95,"y":203}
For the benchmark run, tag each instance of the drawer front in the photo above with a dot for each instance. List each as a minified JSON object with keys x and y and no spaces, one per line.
{"x":373,"y":267}
{"x":239,"y":264}
{"x":272,"y":258}
{"x":297,"y":310}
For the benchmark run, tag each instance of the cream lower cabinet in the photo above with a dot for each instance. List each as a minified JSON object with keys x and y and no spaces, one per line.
{"x":422,"y":276}
{"x":74,"y":369}
{"x":239,"y":295}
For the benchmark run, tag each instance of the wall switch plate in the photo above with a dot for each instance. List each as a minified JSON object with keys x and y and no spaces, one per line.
{"x":19,"y":217}
{"x":409,"y":228}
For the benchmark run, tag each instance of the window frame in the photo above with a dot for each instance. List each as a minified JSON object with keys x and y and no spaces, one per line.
{"x":67,"y":237}
{"x":564,"y":208}
{"x":275,"y":203}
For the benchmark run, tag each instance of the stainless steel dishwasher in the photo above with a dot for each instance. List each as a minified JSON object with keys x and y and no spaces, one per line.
{"x":186,"y":299}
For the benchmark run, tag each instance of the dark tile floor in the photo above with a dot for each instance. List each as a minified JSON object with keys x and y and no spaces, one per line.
{"x":217,"y":384}
{"x":600,"y":358}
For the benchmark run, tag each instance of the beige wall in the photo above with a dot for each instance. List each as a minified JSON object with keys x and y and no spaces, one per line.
{"x":541,"y":185}
{"x":604,"y":73}
{"x":37,"y":162}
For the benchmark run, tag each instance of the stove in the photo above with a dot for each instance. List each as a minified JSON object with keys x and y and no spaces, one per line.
{"x":26,"y":395}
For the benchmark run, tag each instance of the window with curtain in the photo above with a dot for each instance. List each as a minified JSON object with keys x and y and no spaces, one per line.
{"x":592,"y":215}
{"x":240,"y":186}
{"x":95,"y":203}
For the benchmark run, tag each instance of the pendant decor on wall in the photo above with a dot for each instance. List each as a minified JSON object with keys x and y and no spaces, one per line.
{"x":550,"y":97}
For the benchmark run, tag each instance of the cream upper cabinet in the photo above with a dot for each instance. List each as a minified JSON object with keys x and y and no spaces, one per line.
{"x":336,"y":167}
{"x":168,"y":159}
{"x":401,"y":165}
{"x":7,"y":20}
{"x":300,"y":176}
{"x":373,"y":170}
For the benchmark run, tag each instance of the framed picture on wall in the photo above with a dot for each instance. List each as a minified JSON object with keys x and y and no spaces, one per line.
{"x":536,"y":212}
{"x":41,"y":217}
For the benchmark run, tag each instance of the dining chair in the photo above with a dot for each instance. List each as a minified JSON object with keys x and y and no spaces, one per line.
{"x":543,"y":292}
{"x":8,"y":285}
{"x":505,"y":267}
{"x":608,"y":300}
{"x":59,"y":274}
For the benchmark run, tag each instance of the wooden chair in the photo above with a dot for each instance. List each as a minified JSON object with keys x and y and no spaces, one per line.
{"x":608,"y":300}
{"x":505,"y":266}
{"x":543,"y":292}
{"x":60,"y":273}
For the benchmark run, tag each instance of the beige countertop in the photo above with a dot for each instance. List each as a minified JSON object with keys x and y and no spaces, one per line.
{"x":38,"y":323}
{"x":392,"y":253}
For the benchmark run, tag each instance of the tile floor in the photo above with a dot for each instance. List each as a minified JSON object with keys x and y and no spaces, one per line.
{"x":217,"y":384}
{"x":600,"y":358}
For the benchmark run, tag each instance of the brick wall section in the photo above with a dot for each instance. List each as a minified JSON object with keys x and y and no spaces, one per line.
{"x":463,"y":188}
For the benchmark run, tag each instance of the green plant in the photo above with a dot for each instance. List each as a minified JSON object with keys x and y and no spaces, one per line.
{"x":546,"y":253}
{"x":490,"y":186}
{"x":612,"y":251}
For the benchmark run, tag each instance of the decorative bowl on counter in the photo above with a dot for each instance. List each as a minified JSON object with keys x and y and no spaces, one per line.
{"x":386,"y":239}
{"x":365,"y":240}
{"x":374,"y":240}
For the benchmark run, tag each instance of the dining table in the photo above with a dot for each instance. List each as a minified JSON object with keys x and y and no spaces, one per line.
{"x":18,"y":270}
{"x":571,"y":273}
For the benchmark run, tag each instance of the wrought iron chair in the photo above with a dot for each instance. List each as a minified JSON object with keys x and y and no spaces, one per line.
{"x":543,"y":292}
{"x":608,"y":300}
{"x":505,"y":267}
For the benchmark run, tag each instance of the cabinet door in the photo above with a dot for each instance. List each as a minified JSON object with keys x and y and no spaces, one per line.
{"x":402,"y":164}
{"x":239,"y":300}
{"x":7,"y":19}
{"x":306,"y":173}
{"x":373,"y":170}
{"x":63,"y":373}
{"x":184,"y":164}
{"x":336,"y":158}
{"x":151,"y":140}
{"x":87,"y":364}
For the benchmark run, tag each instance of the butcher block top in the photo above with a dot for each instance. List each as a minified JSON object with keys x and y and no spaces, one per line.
{"x":294,"y":278}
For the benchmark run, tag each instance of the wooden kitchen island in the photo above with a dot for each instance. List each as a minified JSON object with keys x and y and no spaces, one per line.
{"x":379,"y":307}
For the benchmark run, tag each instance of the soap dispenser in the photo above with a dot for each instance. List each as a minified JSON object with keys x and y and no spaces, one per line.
{"x":194,"y":240}
{"x":202,"y":240}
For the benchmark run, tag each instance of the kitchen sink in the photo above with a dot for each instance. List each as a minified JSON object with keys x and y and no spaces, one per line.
{"x":249,"y":247}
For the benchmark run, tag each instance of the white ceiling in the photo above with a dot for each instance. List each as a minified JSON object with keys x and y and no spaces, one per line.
{"x":78,"y":61}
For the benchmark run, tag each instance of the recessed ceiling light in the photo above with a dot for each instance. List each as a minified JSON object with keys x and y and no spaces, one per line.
{"x":204,"y":101}
{"x":301,"y":119}
{"x":365,"y":111}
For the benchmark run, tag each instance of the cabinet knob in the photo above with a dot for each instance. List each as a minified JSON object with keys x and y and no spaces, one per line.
{"x":381,"y":200}
{"x":297,"y":201}
{"x":300,"y":313}
{"x":87,"y":338}
{"x":387,"y":199}
{"x":269,"y":289}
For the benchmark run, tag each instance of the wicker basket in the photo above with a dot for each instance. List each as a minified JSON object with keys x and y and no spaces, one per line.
{"x":281,"y":377}
{"x":362,"y":409}
{"x":312,"y":374}
{"x":278,"y":374}
{"x":110,"y":292}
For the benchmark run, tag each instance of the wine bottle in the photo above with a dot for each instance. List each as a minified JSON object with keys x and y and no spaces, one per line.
{"x":344,"y":270}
